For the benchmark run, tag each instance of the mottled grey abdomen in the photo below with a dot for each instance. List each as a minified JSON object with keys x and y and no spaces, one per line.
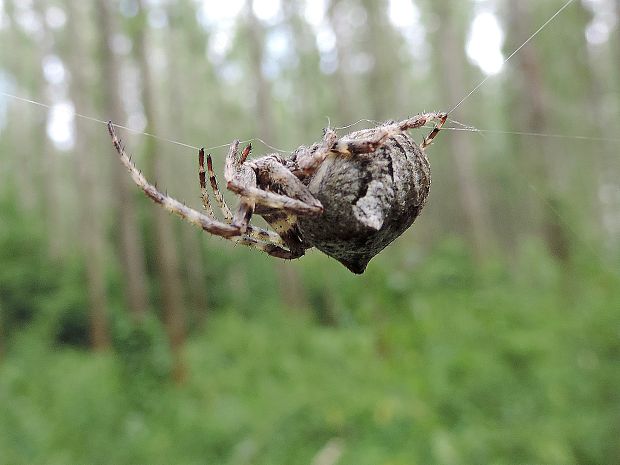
{"x":369,"y":199}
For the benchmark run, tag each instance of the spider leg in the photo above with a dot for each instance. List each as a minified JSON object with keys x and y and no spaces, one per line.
{"x":245,"y":177}
{"x":348,"y":147}
{"x":428,"y":140}
{"x":241,"y":219}
{"x":204,"y":194}
{"x":308,"y":160}
{"x":272,"y":172}
{"x":172,"y":205}
{"x":259,"y":234}
{"x":241,"y":180}
{"x":268,"y":242}
{"x":281,"y":221}
{"x":219,"y":198}
{"x":271,"y":249}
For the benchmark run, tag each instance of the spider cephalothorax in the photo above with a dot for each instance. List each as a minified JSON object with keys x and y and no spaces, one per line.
{"x":349,"y":197}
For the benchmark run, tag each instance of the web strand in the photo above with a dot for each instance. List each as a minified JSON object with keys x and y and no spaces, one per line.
{"x":475,"y":89}
{"x":464,"y":128}
{"x":531,"y":134}
{"x":97,"y":120}
{"x":135,"y":131}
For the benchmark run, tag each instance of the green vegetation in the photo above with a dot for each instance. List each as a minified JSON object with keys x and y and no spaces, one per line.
{"x":488,"y":333}
{"x":438,"y":364}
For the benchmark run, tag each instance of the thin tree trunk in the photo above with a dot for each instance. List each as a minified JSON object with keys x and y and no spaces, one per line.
{"x":598,"y":174}
{"x":385,"y":77}
{"x":610,"y":182}
{"x":191,"y":244}
{"x":452,"y":79}
{"x":617,"y":47}
{"x":166,"y":252}
{"x":340,"y":77}
{"x":91,"y":228}
{"x":291,"y":289}
{"x":2,"y":343}
{"x":131,"y":252}
{"x":533,"y":103}
{"x":43,"y":194}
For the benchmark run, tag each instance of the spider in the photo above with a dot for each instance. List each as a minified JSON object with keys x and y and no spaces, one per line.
{"x":349,"y":197}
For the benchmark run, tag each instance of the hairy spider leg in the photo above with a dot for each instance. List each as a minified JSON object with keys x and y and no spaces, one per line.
{"x":241,"y":182}
{"x":195,"y":217}
{"x":428,"y":140}
{"x":370,"y":145}
{"x":252,"y":231}
{"x":271,"y":171}
{"x":204,"y":194}
{"x":273,"y":174}
{"x":309,"y":160}
{"x":219,"y":198}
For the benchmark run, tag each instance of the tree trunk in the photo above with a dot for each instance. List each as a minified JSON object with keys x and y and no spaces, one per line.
{"x":452,"y":78}
{"x":2,"y":343}
{"x":617,"y":47}
{"x":91,"y":227}
{"x":45,"y":163}
{"x":340,"y":80}
{"x":166,"y":253}
{"x":191,"y":245}
{"x":539,"y":164}
{"x":131,"y":253}
{"x":384,"y":83}
{"x":291,"y":289}
{"x":609,"y":180}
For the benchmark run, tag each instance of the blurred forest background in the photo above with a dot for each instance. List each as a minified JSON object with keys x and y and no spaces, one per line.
{"x":488,"y":333}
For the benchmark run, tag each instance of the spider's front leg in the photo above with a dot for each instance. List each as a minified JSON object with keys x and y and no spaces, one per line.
{"x":348,"y":147}
{"x":308,"y":160}
{"x":241,"y":179}
{"x":254,"y":232}
{"x":267,"y":183}
{"x":259,"y":239}
{"x":201,"y":220}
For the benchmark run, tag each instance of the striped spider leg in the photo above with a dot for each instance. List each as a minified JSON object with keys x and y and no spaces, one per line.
{"x":204,"y":221}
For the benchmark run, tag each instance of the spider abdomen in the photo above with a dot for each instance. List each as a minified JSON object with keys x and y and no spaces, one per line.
{"x":368,"y":199}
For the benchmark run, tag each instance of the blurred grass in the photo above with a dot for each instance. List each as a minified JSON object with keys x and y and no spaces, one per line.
{"x":441,"y":363}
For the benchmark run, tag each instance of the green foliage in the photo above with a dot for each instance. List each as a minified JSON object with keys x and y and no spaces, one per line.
{"x":431,"y":357}
{"x":143,"y":355}
{"x":443,"y":365}
{"x":36,"y":289}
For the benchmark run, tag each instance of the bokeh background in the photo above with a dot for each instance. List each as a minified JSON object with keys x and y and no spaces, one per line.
{"x":488,"y":333}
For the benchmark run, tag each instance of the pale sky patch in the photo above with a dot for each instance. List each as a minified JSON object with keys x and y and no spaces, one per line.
{"x":60,"y":125}
{"x":266,"y":10}
{"x":484,"y":43}
{"x":314,"y":12}
{"x":604,"y":20}
{"x":403,"y":14}
{"x":53,"y":69}
{"x":214,"y":12}
{"x":406,"y":17}
{"x":55,"y":17}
